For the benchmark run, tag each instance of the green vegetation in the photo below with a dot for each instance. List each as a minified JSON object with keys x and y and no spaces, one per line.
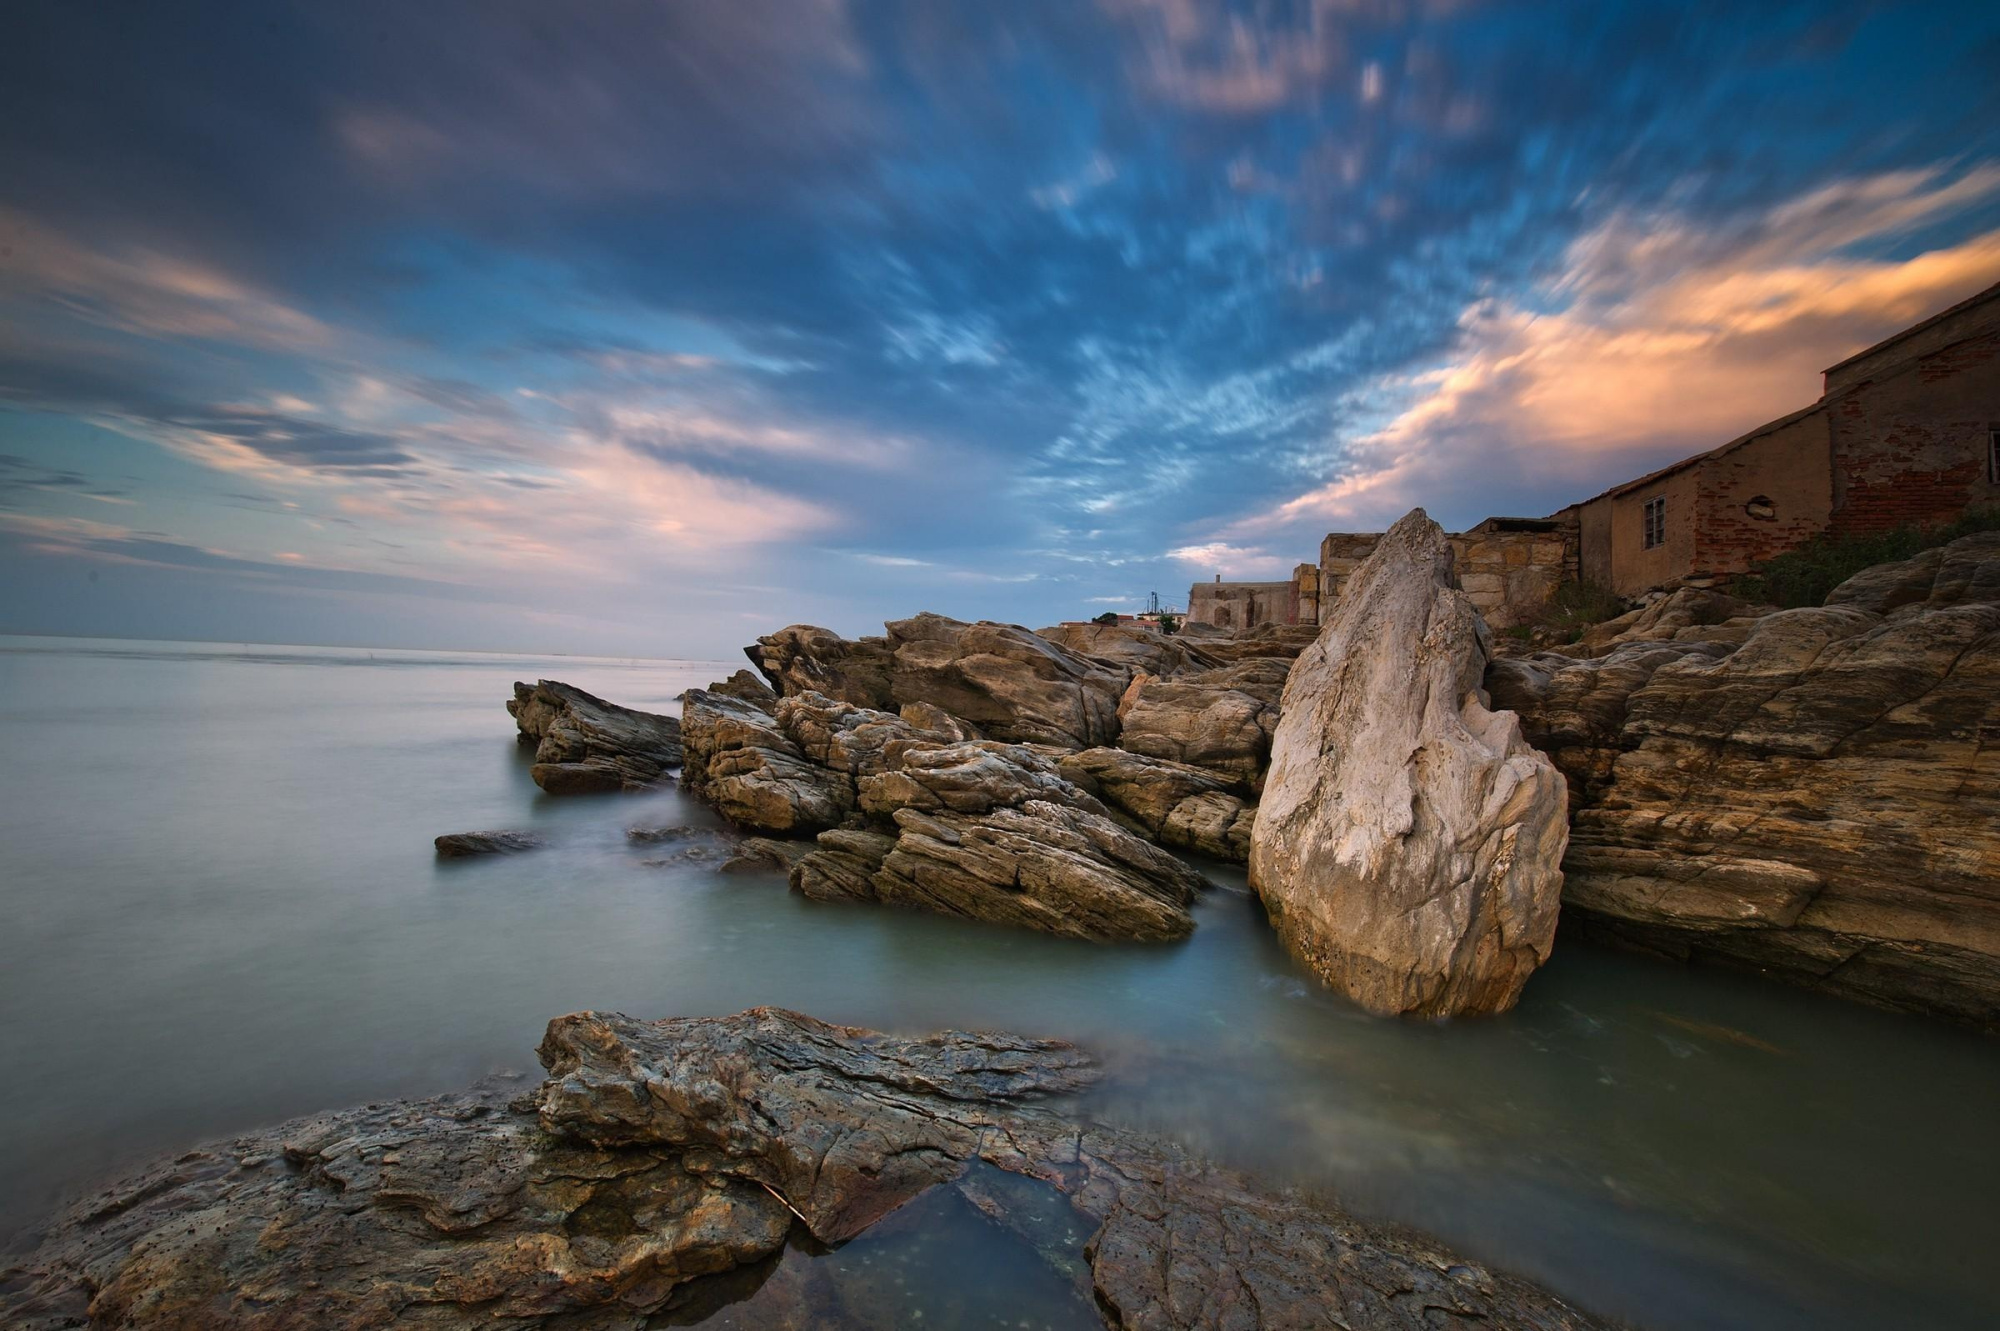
{"x":1804,"y":576}
{"x":1169,"y":622}
{"x":1570,"y":609}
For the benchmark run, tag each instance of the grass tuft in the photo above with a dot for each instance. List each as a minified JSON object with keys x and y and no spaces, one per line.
{"x":1804,"y":576}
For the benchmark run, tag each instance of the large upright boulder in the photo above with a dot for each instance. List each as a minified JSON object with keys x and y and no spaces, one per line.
{"x":1408,"y":839}
{"x":1010,"y":683}
{"x":583,"y":743}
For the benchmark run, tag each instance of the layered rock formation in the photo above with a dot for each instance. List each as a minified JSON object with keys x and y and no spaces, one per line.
{"x":994,"y":832}
{"x":757,"y":776}
{"x":583,"y":743}
{"x":1408,"y":838}
{"x":1821,"y":804}
{"x":1220,"y":719}
{"x":1179,"y":804}
{"x":807,"y":659}
{"x":659,"y":1156}
{"x":1134,"y":647}
{"x":1008,"y":682}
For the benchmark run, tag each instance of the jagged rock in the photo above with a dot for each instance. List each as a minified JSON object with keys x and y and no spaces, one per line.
{"x":747,"y":686}
{"x":1220,"y":719}
{"x":660,"y":1159}
{"x":649,"y":835}
{"x":993,"y":831}
{"x":1046,"y":866}
{"x":1181,"y":805}
{"x":740,"y":761}
{"x":806,"y":659}
{"x":1003,"y":679}
{"x":972,"y":778}
{"x":1133,"y":647}
{"x":1820,"y":805}
{"x":1408,"y":838}
{"x":843,"y":867}
{"x":861,"y":741}
{"x":583,"y":743}
{"x":457,"y":845}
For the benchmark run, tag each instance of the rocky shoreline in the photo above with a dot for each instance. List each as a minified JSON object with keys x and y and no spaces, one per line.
{"x":1813,"y":794}
{"x":661,"y":1165}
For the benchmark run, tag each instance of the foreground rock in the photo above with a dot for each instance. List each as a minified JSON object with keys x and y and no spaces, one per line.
{"x":583,"y":743}
{"x":1008,"y":682}
{"x":1821,"y":804}
{"x":459,"y":845}
{"x":1408,"y":838}
{"x":660,"y":1156}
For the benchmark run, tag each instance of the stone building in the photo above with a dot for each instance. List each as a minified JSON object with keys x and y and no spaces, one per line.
{"x":1907,"y":431}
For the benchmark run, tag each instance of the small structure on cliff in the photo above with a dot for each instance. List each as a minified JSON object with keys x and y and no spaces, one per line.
{"x":1905,"y":432}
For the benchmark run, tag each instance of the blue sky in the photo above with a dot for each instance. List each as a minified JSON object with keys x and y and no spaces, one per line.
{"x":645,"y":328}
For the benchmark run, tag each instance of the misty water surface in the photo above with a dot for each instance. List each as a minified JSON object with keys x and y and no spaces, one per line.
{"x":221,"y":909}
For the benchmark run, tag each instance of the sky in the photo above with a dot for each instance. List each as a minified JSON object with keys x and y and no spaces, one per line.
{"x":642,"y":329}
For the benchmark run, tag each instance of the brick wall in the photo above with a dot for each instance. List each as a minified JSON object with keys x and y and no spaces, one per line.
{"x":1763,"y":497}
{"x":1910,"y":445}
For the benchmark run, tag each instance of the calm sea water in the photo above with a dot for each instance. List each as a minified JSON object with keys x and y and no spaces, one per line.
{"x":219,"y":908}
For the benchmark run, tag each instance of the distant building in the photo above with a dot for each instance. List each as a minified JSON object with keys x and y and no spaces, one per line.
{"x":1905,"y":432}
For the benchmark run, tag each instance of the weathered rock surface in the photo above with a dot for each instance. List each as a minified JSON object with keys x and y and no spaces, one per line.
{"x":583,"y":743}
{"x":459,"y":845}
{"x":1133,"y":647}
{"x":1687,"y":614}
{"x":741,"y":761}
{"x":994,"y":832}
{"x":764,"y":855}
{"x":1280,"y":641}
{"x":1220,"y":719}
{"x":660,"y":1153}
{"x":1408,"y":838}
{"x":749,"y":687}
{"x":1822,"y":804}
{"x":1008,"y":682}
{"x":807,"y":659}
{"x":1184,"y":806}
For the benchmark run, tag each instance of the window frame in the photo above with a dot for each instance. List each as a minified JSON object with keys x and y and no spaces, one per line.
{"x":1993,"y":455}
{"x":1653,"y":523}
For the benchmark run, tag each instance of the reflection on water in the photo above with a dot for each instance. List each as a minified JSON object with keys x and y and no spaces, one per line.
{"x":222,"y":910}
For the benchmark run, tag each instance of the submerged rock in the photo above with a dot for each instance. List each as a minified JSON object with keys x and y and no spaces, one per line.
{"x":583,"y":743}
{"x":1408,"y":838}
{"x":458,"y":845}
{"x":660,"y":1160}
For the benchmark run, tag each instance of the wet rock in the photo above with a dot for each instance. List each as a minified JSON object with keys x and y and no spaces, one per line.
{"x":457,"y":845}
{"x":1180,"y":805}
{"x":649,"y":835}
{"x":843,"y":866}
{"x":740,"y":761}
{"x":765,"y":855}
{"x":806,"y":659}
{"x":583,"y":743}
{"x":1011,"y":684}
{"x":1408,"y":838}
{"x":661,"y":1162}
{"x":1220,"y":719}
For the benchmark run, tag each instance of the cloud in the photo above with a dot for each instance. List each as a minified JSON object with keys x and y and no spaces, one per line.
{"x":1660,"y":336}
{"x":1233,"y":561}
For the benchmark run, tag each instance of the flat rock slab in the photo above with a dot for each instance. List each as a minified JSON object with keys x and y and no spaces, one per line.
{"x":661,"y":1166}
{"x":459,"y":845}
{"x":584,"y":744}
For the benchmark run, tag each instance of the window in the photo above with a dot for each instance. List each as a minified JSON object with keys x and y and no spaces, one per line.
{"x":1993,"y":455}
{"x":1656,"y":522}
